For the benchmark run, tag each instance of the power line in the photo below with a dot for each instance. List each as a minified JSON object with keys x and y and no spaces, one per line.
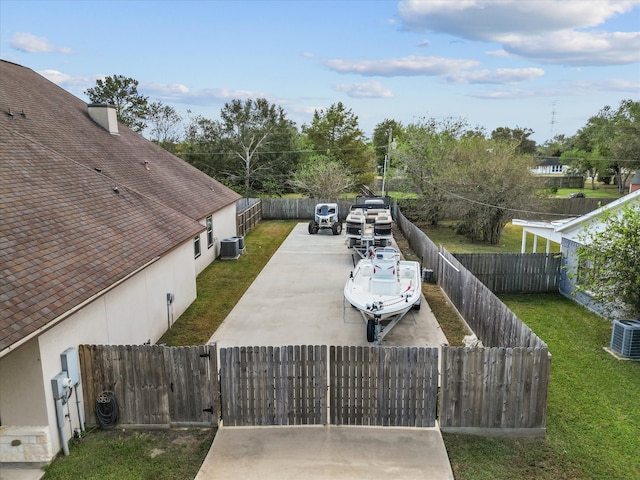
{"x":493,"y":206}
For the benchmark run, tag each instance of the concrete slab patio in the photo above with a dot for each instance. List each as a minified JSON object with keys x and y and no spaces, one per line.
{"x":297,"y":300}
{"x":327,"y":452}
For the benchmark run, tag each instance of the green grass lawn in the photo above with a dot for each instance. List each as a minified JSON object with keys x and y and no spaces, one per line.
{"x":593,"y":415}
{"x":510,"y":241}
{"x":593,"y":410}
{"x":118,"y":454}
{"x":601,"y":191}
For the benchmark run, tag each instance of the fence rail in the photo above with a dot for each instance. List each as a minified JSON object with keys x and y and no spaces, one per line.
{"x":475,"y":382}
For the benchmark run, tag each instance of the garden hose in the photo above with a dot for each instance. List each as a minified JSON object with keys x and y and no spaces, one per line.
{"x":107,"y":409}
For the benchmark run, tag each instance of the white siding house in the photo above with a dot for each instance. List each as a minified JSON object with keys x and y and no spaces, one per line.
{"x":569,"y":234}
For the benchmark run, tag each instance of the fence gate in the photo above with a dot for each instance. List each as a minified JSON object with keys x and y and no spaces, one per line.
{"x":153,"y":384}
{"x":383,"y":386}
{"x":273,"y":385}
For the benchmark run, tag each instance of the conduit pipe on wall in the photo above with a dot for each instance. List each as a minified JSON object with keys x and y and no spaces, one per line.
{"x":61,"y":388}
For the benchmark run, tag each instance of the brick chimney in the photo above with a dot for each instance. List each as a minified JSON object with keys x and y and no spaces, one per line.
{"x":105,"y":116}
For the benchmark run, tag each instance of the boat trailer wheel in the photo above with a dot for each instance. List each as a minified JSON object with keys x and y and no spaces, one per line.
{"x":371,"y":330}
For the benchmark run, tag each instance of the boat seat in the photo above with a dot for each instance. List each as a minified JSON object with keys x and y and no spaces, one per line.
{"x":384,"y":269}
{"x":384,"y":286}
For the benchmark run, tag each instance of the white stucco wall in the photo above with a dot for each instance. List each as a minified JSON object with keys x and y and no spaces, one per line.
{"x":132,"y":313}
{"x":224,"y":226}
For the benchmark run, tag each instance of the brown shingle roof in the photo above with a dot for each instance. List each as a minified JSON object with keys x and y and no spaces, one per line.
{"x":65,"y":234}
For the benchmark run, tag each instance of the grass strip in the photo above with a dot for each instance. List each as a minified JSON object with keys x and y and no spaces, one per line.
{"x":222,"y":284}
{"x":170,"y":454}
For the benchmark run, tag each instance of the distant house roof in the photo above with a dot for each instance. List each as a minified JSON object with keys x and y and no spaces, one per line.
{"x":548,"y":161}
{"x":81,"y":208}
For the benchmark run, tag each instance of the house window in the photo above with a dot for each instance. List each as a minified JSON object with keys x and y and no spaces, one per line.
{"x":209,"y":232}
{"x":196,"y":246}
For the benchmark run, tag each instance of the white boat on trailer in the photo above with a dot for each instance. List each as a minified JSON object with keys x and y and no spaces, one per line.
{"x":384,"y":289}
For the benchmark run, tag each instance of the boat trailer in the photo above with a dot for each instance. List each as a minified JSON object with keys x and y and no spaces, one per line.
{"x":377,"y":328}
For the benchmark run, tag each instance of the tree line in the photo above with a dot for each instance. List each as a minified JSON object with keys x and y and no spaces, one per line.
{"x":256,"y":150}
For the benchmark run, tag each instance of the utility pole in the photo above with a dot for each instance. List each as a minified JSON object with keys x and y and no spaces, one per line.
{"x":386,"y":162}
{"x":553,"y":118}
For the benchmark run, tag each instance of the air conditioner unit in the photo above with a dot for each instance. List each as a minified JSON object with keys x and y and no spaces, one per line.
{"x":625,"y":338}
{"x":240,"y":243}
{"x":229,"y":248}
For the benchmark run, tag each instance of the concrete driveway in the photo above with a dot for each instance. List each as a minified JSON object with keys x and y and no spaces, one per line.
{"x":297,"y":300}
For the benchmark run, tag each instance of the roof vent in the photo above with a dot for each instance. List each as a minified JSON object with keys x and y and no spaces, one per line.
{"x":625,"y":338}
{"x":105,"y":116}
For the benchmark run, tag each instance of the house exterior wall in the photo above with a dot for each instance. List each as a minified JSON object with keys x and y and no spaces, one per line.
{"x":134,"y":312}
{"x":21,"y":398}
{"x":550,"y":170}
{"x":224,"y":226}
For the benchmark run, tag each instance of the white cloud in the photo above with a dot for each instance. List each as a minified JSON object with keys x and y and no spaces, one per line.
{"x":553,"y":31}
{"x":63,"y":79}
{"x":29,"y":43}
{"x":497,"y":53}
{"x":500,"y":76}
{"x":625,"y":87}
{"x":578,"y":48}
{"x":178,"y":93}
{"x":483,"y":19}
{"x":364,"y":90}
{"x":406,"y":66}
{"x":165,"y":89}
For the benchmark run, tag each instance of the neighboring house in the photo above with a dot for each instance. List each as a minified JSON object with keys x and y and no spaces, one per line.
{"x":102,"y":235}
{"x":550,"y":166}
{"x":568,"y":233}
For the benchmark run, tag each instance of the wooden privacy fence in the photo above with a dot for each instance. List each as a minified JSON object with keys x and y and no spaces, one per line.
{"x":395,"y":386}
{"x":502,"y":388}
{"x":494,"y":388}
{"x":248,"y":214}
{"x":514,"y":272}
{"x":490,"y":319}
{"x":291,"y":385}
{"x":153,"y":384}
{"x":273,"y":385}
{"x":300,"y":208}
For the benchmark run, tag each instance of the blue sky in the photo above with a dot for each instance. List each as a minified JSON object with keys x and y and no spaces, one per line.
{"x":544,"y":64}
